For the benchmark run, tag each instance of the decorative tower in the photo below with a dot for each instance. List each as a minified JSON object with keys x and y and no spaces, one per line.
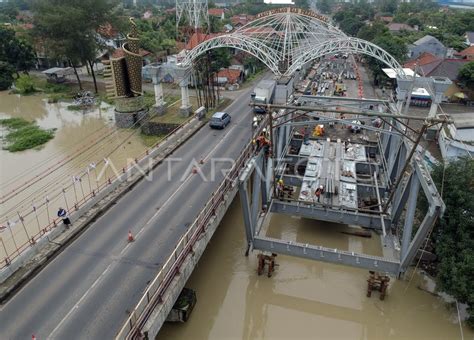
{"x":124,"y":81}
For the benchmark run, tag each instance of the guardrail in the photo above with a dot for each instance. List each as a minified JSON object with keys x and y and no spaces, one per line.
{"x":155,"y":291}
{"x":71,"y":207}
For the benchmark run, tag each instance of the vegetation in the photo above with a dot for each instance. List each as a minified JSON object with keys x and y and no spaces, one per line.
{"x":23,"y":135}
{"x":24,"y":84}
{"x":16,"y":56}
{"x":454,"y":233}
{"x":6,"y":75}
{"x":68,"y":29}
{"x":466,"y":75}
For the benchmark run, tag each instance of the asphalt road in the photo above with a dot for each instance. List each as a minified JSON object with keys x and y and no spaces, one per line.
{"x":87,"y":289}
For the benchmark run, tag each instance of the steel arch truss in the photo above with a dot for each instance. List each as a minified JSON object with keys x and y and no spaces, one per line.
{"x":285,"y":39}
{"x":237,"y":41}
{"x":348,"y":45}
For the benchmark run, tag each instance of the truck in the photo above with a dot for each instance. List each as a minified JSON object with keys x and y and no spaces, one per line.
{"x":263,"y":94}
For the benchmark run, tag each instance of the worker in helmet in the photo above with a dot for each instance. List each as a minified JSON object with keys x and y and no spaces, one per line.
{"x":255,"y":122}
{"x":319,"y":192}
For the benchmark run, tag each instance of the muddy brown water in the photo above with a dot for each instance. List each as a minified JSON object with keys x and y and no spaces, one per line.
{"x":304,"y":299}
{"x":75,"y":130}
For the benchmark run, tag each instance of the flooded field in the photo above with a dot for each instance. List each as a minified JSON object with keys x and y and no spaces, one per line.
{"x":30,"y":178}
{"x":304,"y":299}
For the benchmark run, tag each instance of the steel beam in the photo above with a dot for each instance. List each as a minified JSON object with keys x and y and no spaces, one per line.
{"x":248,"y":223}
{"x":400,"y":200}
{"x":256,"y":187}
{"x":319,"y":212}
{"x":410,"y":215}
{"x":420,"y":236}
{"x":319,"y":253}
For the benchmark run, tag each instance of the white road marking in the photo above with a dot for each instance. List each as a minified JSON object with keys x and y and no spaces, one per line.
{"x":76,"y":306}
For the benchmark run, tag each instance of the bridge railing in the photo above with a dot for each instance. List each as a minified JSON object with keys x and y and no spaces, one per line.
{"x":33,"y":224}
{"x":153,"y":295}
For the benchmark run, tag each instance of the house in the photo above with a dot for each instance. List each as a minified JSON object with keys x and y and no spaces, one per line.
{"x":397,"y":28}
{"x":431,"y":66}
{"x":228,"y":28}
{"x":467,"y":53}
{"x":241,"y":20}
{"x":469,"y":38}
{"x":197,"y":38}
{"x":217,"y":12}
{"x":427,"y":44}
{"x":386,"y":19}
{"x":457,"y":139}
{"x":228,"y":77}
{"x":423,"y":59}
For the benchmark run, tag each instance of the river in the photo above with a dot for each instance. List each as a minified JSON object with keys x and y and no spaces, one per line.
{"x":89,"y":135}
{"x":304,"y":299}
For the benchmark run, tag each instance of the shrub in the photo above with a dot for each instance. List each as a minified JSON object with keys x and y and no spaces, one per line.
{"x":24,"y":84}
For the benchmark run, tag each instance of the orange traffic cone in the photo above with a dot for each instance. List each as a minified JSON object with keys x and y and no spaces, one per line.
{"x":130,"y":237}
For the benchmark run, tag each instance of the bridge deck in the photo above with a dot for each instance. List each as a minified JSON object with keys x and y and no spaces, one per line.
{"x":86,"y":291}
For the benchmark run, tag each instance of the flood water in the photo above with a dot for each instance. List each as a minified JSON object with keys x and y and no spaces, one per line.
{"x":304,"y":299}
{"x":81,"y":138}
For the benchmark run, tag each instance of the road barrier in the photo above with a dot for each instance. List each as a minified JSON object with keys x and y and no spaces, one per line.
{"x":153,"y":295}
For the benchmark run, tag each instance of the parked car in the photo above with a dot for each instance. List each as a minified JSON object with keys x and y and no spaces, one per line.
{"x":219,"y":120}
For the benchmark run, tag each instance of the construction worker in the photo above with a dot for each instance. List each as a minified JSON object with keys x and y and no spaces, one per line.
{"x":62,"y":213}
{"x":280,"y":189}
{"x":319,"y":192}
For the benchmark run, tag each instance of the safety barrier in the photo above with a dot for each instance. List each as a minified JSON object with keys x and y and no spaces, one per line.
{"x":155,"y":291}
{"x":78,"y":203}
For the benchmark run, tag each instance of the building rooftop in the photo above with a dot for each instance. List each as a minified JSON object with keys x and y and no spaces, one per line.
{"x":426,"y":39}
{"x":395,"y":27}
{"x":463,"y":120}
{"x":423,"y":59}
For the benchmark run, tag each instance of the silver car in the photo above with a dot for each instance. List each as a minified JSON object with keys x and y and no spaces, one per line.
{"x":219,"y":120}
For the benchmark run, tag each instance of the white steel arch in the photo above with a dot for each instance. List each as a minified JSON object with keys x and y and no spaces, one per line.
{"x":285,"y":39}
{"x":348,"y":45}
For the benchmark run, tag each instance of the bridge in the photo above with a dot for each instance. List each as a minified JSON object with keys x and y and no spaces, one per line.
{"x":100,"y":286}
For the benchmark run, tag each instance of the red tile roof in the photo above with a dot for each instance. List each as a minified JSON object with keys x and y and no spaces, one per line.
{"x":216,"y":12}
{"x":423,"y":59}
{"x":468,"y":52}
{"x":242,"y":19}
{"x":198,"y":38}
{"x":231,"y":75}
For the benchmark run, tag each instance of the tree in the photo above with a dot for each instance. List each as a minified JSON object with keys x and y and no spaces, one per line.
{"x":454,"y":232}
{"x":466,"y":75}
{"x":68,"y":29}
{"x":370,"y":32}
{"x":15,"y":52}
{"x":394,"y":46}
{"x":6,"y":75}
{"x":351,"y":26}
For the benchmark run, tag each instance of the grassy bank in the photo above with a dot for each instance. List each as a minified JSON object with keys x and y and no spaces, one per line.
{"x":23,"y":135}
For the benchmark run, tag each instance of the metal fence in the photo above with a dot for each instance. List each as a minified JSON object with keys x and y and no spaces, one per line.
{"x":157,"y":288}
{"x":81,"y":188}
